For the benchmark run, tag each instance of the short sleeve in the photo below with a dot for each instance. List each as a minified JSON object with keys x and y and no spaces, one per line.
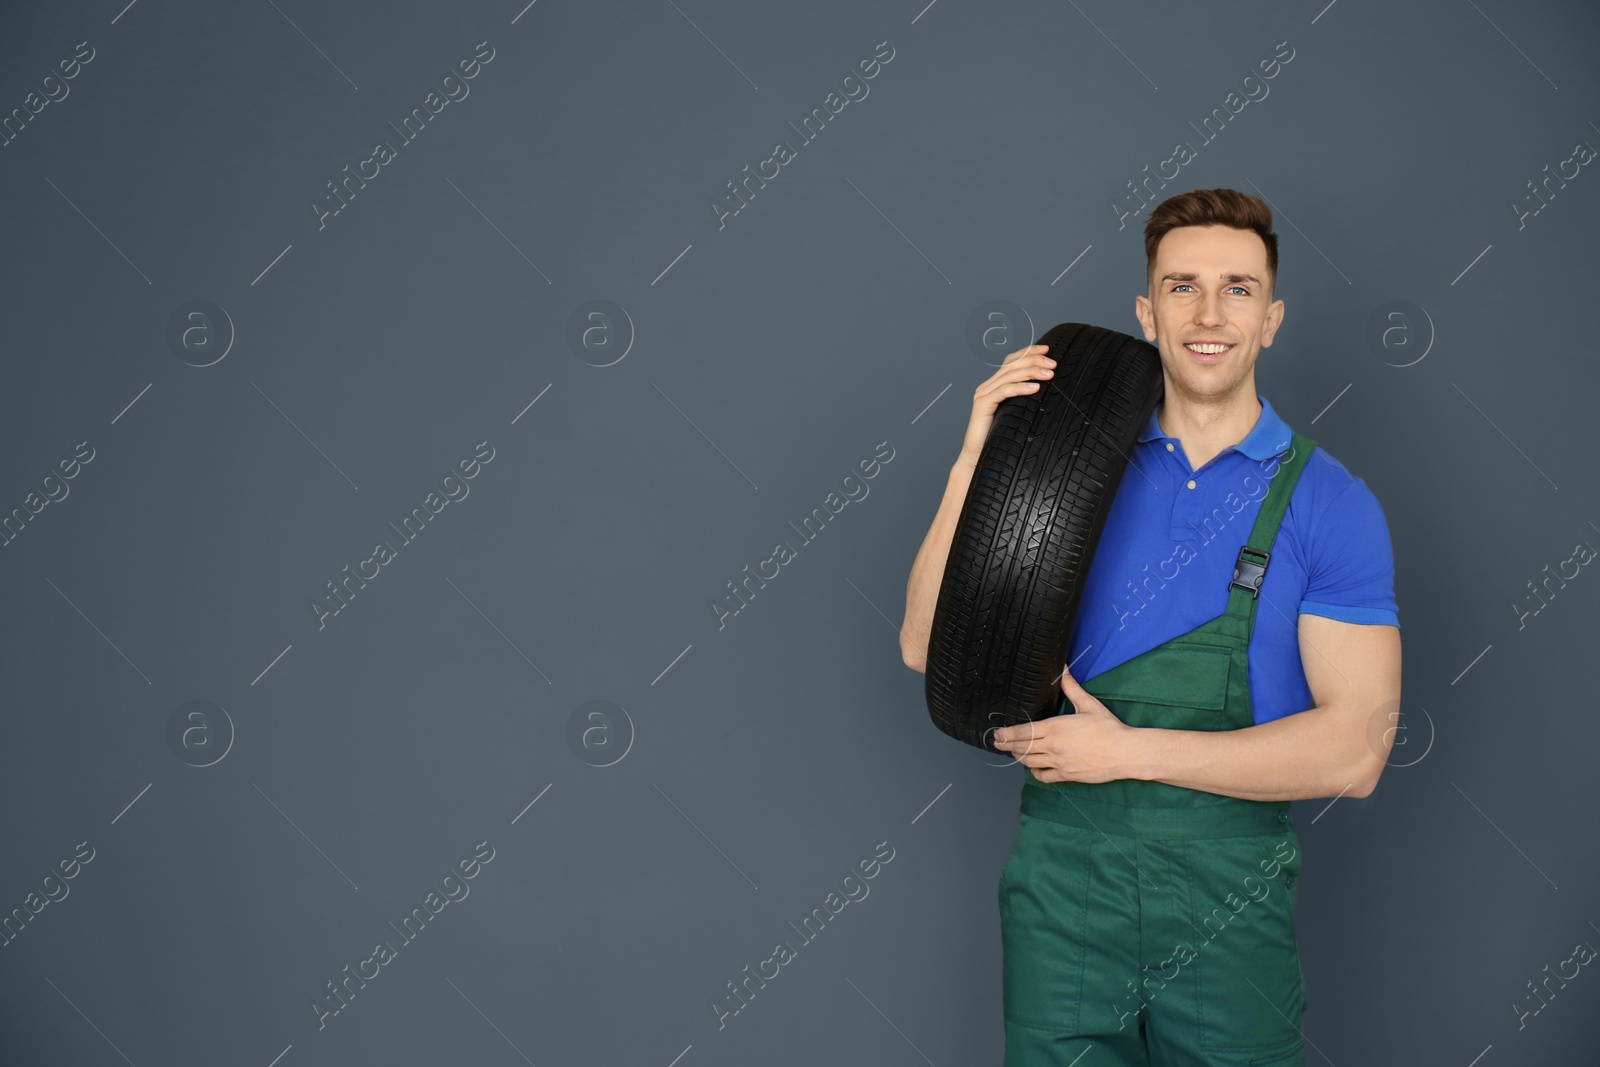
{"x":1350,"y":572}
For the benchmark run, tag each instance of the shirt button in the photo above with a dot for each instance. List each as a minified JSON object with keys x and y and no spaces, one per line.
{"x":1169,"y":446}
{"x":1191,"y":483}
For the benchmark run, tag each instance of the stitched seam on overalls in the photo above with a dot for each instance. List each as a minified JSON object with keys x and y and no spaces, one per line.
{"x":1199,"y":972}
{"x":1083,"y":940}
{"x":1266,"y":1057}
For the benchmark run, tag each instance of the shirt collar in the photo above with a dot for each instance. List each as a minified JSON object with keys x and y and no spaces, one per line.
{"x":1266,"y":439}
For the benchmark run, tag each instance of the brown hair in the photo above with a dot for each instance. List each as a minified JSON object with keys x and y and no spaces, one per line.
{"x":1212,"y":207}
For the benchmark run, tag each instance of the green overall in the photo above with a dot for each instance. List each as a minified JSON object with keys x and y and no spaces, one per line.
{"x":1151,"y":923}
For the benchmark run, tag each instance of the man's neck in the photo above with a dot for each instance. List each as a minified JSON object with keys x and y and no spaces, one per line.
{"x":1205,"y":429}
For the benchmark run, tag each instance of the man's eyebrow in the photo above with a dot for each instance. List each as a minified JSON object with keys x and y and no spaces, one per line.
{"x":1229,"y":279}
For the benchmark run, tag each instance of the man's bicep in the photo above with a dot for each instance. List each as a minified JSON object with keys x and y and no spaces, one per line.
{"x":1354,"y":669}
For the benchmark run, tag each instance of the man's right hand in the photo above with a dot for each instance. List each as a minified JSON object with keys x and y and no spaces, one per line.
{"x":1016,"y":376}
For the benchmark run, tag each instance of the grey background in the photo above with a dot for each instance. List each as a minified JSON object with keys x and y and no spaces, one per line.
{"x":759,"y":761}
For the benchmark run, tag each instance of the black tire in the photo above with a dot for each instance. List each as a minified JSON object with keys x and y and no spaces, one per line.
{"x":1029,"y":526}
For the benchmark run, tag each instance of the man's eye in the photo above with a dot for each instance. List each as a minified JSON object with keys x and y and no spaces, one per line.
{"x":1241,"y":289}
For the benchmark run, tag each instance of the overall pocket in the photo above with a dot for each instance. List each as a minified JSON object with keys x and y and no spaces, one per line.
{"x":1044,"y":914}
{"x":1251,"y":991}
{"x":1176,"y":686}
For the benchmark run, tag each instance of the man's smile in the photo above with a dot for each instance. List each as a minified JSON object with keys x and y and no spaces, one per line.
{"x":1208,"y":351}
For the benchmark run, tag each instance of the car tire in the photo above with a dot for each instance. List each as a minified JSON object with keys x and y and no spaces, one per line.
{"x":1028,"y":529}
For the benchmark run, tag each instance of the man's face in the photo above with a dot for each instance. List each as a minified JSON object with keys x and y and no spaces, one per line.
{"x":1209,"y":285}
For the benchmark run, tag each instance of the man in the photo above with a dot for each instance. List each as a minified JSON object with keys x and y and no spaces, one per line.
{"x":1239,"y":643}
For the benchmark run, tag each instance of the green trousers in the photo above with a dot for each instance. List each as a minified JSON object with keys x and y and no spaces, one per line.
{"x":1149,"y":923}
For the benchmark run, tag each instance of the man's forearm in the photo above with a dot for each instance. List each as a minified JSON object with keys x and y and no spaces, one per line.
{"x":927,"y":572}
{"x":1313,"y":753}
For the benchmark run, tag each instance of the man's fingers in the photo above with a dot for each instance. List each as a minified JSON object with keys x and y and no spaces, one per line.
{"x":1018,"y":743}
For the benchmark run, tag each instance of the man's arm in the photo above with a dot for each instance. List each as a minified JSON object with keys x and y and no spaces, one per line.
{"x":1337,"y":747}
{"x":927,"y":572}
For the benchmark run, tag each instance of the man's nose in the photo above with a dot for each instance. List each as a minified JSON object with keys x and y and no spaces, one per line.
{"x":1209,"y":311}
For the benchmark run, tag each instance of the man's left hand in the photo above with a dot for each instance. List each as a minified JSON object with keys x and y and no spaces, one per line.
{"x":1089,"y":746}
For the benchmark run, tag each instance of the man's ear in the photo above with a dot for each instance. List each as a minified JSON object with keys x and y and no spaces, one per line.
{"x":1273,"y":320}
{"x":1145,"y":312}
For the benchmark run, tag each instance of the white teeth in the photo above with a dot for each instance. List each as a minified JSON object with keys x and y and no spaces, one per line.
{"x":1208,"y":350}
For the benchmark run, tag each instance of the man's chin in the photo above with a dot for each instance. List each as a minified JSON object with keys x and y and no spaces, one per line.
{"x":1213,"y":383}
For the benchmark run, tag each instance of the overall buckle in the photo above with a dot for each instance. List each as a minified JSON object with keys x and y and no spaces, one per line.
{"x":1250,"y":571}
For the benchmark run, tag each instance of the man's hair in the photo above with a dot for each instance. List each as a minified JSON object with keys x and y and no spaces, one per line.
{"x":1212,"y":207}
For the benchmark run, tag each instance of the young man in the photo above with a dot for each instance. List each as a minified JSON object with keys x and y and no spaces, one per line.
{"x":1239,"y":645}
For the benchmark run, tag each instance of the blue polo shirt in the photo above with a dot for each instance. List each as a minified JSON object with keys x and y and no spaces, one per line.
{"x":1171,"y":538}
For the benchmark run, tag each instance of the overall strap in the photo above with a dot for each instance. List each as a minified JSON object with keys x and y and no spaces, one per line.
{"x":1251,"y":568}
